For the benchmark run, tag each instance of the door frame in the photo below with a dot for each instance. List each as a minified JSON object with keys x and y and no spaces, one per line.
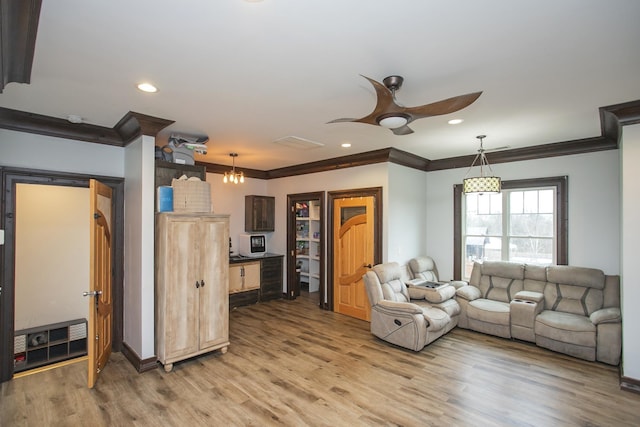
{"x":292,"y":285}
{"x":9,"y":178}
{"x":376,"y":193}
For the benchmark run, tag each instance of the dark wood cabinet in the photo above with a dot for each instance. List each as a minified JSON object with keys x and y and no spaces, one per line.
{"x":271,"y":278}
{"x":259,"y":213}
{"x":166,"y":171}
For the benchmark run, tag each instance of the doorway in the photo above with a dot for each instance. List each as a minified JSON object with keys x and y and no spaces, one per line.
{"x":305,"y":247}
{"x":355,"y":230}
{"x":10,"y":178}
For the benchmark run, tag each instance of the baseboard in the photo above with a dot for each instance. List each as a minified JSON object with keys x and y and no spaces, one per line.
{"x":141,"y":365}
{"x":630,"y":384}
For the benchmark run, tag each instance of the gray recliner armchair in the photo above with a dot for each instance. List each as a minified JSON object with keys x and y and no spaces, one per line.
{"x":403,"y":320}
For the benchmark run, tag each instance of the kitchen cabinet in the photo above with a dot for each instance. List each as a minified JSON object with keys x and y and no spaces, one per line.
{"x":192,"y":285}
{"x":244,"y":276}
{"x":259,"y":213}
{"x":271,"y":278}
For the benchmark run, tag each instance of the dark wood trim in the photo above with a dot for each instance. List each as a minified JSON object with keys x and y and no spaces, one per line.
{"x":630,"y":384}
{"x":221,"y":169}
{"x":141,"y":365}
{"x":376,"y":192}
{"x":133,"y":125}
{"x":18,"y":30}
{"x":562,"y":225}
{"x":13,"y":176}
{"x":627,"y":113}
{"x":128,"y":128}
{"x":353,"y":160}
{"x":293,"y":289}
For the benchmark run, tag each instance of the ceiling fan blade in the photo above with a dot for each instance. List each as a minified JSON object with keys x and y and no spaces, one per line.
{"x":445,"y":106}
{"x":343,"y":120}
{"x":385,"y":104}
{"x":402,"y":130}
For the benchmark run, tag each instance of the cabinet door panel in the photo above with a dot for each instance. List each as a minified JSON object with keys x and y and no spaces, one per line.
{"x":252,"y":275}
{"x":181,"y":295}
{"x":235,"y":278}
{"x":214,"y":262}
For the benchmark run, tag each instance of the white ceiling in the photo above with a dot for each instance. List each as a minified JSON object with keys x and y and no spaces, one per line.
{"x":246,"y":74}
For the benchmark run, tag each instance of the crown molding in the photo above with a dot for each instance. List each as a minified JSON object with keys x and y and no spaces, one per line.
{"x":131,"y":126}
{"x":18,"y":30}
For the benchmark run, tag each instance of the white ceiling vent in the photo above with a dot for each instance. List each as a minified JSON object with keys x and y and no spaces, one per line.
{"x":298,"y":143}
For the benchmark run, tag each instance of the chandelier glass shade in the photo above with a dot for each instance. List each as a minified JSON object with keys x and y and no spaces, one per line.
{"x":483,"y":183}
{"x":233,"y":176}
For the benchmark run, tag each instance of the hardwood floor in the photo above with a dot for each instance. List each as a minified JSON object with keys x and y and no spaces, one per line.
{"x":291,"y":363}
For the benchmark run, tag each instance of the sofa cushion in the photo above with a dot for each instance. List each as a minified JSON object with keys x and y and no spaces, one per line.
{"x":395,"y":290}
{"x":566,"y":327}
{"x":490,"y":311}
{"x":423,"y":268}
{"x":500,"y":288}
{"x":578,"y":276}
{"x":434,"y":295}
{"x":573,"y":299}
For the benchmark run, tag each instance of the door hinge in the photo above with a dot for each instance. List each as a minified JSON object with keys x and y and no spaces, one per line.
{"x":96,"y":215}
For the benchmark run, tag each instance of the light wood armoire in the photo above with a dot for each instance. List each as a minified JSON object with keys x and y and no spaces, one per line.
{"x":192,"y":285}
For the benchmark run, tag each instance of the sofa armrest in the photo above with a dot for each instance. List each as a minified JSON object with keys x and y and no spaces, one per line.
{"x":458,"y":283}
{"x":529,"y":296}
{"x":606,"y":315}
{"x":469,"y":293}
{"x":401,"y":307}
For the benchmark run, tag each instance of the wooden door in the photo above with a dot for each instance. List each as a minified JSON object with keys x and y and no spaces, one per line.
{"x":214,"y":282}
{"x":101,"y":299}
{"x":179,"y":282}
{"x":353,"y":226}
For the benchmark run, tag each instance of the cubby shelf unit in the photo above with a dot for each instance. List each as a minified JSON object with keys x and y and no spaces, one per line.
{"x":308,"y":244}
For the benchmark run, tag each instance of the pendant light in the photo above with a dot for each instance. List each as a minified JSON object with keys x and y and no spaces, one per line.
{"x":233,"y":176}
{"x":481,"y":184}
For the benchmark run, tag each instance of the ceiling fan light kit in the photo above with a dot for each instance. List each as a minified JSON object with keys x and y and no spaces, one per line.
{"x":390,"y":114}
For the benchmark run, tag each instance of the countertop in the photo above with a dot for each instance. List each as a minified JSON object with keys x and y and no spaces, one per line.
{"x":235,"y":259}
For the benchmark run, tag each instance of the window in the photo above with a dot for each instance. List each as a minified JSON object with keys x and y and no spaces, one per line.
{"x":525,"y":223}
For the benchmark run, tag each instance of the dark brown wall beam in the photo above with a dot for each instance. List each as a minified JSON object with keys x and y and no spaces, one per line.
{"x":133,"y":124}
{"x":18,"y":28}
{"x":627,"y":113}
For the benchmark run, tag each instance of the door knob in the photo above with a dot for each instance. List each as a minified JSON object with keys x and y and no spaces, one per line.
{"x":91,"y":293}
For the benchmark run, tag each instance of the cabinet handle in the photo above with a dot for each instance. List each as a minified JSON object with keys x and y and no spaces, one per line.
{"x":197,"y":284}
{"x":202,"y":283}
{"x":242,"y":271}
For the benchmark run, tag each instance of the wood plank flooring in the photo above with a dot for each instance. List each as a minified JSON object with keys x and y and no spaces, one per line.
{"x":293,"y":364}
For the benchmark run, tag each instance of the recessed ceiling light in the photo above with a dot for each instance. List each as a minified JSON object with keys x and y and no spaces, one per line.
{"x":345,"y":145}
{"x":455,"y":121}
{"x":147,"y":87}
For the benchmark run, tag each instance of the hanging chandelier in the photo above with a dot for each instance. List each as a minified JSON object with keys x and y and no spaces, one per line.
{"x":233,"y":176}
{"x":481,"y":184}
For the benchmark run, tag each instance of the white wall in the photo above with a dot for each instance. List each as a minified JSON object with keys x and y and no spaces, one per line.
{"x":406,"y":210}
{"x":139,"y":326}
{"x":229,"y":199}
{"x":24,"y":150}
{"x":630,"y":232}
{"x":49,"y":282}
{"x":594,"y":207}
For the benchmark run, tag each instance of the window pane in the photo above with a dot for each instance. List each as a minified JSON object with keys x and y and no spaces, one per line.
{"x":496,"y":203}
{"x":531,"y":250}
{"x":546,"y":201}
{"x":484,"y":204}
{"x":531,"y":225}
{"x":516,"y":200}
{"x":530,"y":201}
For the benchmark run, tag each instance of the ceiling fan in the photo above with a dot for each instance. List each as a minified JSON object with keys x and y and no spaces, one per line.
{"x":388,"y":113}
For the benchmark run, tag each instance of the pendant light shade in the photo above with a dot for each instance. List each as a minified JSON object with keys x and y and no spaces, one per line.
{"x":481,"y":184}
